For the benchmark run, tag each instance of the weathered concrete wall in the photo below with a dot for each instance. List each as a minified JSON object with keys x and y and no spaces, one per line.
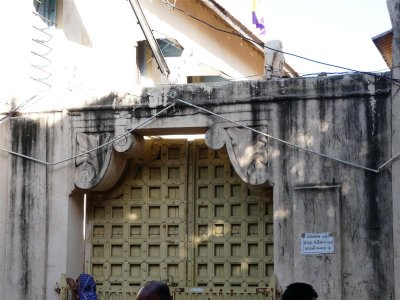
{"x":394,"y":12}
{"x":65,"y":238}
{"x":348,"y":117}
{"x":4,"y":167}
{"x":354,"y":130}
{"x":27,"y":209}
{"x":41,"y":221}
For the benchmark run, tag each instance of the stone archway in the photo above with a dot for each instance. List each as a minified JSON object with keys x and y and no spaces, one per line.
{"x":181,"y":213}
{"x":100,"y":170}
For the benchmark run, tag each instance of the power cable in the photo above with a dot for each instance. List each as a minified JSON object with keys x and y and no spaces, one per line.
{"x":93,"y":149}
{"x":43,"y":55}
{"x":261,"y":44}
{"x":18,"y":108}
{"x":377,"y":171}
{"x":324,"y":73}
{"x":245,"y":77}
{"x":358,"y":166}
{"x":231,"y":78}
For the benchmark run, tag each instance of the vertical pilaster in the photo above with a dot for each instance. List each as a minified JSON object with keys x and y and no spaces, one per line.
{"x":394,"y":11}
{"x":61,"y":219}
{"x":26,"y":234}
{"x":4,"y":163}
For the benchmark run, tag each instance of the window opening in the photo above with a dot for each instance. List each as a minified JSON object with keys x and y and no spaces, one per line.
{"x":46,"y":10}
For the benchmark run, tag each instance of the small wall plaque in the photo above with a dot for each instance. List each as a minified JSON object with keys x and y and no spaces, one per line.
{"x":317,"y":243}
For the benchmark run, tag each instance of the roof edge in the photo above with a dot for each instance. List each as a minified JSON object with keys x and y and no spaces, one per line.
{"x":242,"y":29}
{"x":232,"y":21}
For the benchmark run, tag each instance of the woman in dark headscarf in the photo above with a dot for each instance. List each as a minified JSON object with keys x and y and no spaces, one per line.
{"x":84,"y":286}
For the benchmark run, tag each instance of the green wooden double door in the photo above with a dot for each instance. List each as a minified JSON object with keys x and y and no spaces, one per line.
{"x":181,"y":215}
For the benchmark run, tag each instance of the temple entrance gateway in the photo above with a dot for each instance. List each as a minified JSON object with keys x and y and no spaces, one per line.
{"x":181,"y":214}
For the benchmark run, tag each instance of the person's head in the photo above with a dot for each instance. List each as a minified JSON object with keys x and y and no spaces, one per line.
{"x":154,"y":290}
{"x":299,"y":291}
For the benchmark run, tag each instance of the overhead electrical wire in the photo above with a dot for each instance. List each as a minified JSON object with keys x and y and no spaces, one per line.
{"x":261,"y":44}
{"x":42,"y":54}
{"x":278,"y":139}
{"x":173,"y":6}
{"x":17,"y":109}
{"x":287,"y":143}
{"x":378,"y":170}
{"x":231,"y":78}
{"x":93,"y":149}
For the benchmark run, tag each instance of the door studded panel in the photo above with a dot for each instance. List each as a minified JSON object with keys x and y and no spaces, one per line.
{"x":141,"y":237}
{"x":182,"y":215}
{"x":233,"y":232}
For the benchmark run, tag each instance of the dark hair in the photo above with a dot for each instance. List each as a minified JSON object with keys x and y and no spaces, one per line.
{"x":156,"y":287}
{"x":299,"y":291}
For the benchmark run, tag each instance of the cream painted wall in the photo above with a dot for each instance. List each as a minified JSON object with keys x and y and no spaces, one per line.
{"x":94,"y":52}
{"x":204,"y":46}
{"x":15,"y":21}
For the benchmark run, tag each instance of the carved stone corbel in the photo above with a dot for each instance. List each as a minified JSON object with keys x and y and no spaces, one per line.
{"x":247,"y":151}
{"x":274,"y":59}
{"x":100,"y":170}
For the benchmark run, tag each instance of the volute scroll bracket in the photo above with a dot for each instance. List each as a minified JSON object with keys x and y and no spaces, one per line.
{"x":101,"y":169}
{"x":247,"y":151}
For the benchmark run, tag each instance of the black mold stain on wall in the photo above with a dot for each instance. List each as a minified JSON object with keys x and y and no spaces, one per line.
{"x":286,"y":110}
{"x":377,"y":201}
{"x":24,"y":133}
{"x":375,"y":192}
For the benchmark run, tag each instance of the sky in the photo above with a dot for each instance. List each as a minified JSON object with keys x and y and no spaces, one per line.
{"x":333,"y":31}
